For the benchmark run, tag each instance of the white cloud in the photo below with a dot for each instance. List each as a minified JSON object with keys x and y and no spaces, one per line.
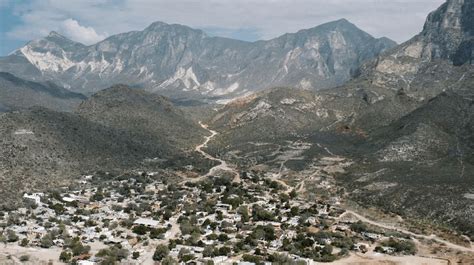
{"x":87,"y":35}
{"x":396,"y":19}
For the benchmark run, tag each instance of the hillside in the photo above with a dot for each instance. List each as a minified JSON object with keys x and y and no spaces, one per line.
{"x":126,"y":130}
{"x":422,"y":164}
{"x":142,"y":114}
{"x":16,"y":94}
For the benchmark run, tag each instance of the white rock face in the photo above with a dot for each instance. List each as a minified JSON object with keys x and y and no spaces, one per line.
{"x":288,"y":101}
{"x":225,"y":91}
{"x":47,"y":62}
{"x":187,"y":77}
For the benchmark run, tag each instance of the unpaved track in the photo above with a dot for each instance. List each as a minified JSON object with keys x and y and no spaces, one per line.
{"x":401,"y":230}
{"x":222,"y":166}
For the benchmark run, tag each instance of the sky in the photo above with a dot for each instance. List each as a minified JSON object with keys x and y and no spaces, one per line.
{"x":90,"y":21}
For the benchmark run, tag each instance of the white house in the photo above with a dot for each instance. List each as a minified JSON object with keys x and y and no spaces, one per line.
{"x":85,"y":262}
{"x":146,"y":222}
{"x":36,"y":197}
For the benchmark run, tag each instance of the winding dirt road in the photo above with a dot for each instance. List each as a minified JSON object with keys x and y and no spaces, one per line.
{"x":389,"y":227}
{"x":222,"y":166}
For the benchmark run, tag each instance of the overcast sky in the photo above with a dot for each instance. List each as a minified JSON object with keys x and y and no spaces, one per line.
{"x":89,"y":21}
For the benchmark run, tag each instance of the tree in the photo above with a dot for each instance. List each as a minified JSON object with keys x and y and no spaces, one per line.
{"x":327,"y":250}
{"x":224,"y":251}
{"x":251,"y":258}
{"x":113,"y":254}
{"x":46,"y":241}
{"x":223,"y":237}
{"x":294,"y":211}
{"x":169,"y":261}
{"x":161,"y":252}
{"x":135,"y":255}
{"x":208,"y":251}
{"x":404,"y":246}
{"x":244,"y":212}
{"x":11,"y":236}
{"x":79,"y":249}
{"x":182,"y":253}
{"x":293,"y":194}
{"x":65,"y":256}
{"x":3,"y":239}
{"x":58,"y":208}
{"x":24,"y":242}
{"x":140,"y":230}
{"x":76,"y":246}
{"x":358,"y":227}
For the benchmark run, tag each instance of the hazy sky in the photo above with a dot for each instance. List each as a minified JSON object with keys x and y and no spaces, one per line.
{"x":89,"y":21}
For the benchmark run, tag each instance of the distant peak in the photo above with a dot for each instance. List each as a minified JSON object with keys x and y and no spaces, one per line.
{"x":157,"y":24}
{"x":58,"y":38}
{"x":342,"y":21}
{"x":336,"y":25}
{"x":54,"y":34}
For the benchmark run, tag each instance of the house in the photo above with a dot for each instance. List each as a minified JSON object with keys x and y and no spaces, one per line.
{"x":37,"y":232}
{"x":146,"y":222}
{"x":371,"y":236}
{"x":36,"y":197}
{"x":326,"y":241}
{"x":294,"y":221}
{"x":275,"y":244}
{"x":219,"y":259}
{"x":223,"y":207}
{"x":341,"y":228}
{"x":69,"y":199}
{"x":388,"y":250}
{"x":85,"y":262}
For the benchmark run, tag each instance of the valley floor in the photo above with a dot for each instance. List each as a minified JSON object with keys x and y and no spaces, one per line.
{"x":249,"y":215}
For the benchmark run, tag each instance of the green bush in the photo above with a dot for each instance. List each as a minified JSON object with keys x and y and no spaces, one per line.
{"x":65,"y":256}
{"x":161,"y":252}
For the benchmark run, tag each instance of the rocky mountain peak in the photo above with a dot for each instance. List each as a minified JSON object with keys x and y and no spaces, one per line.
{"x":449,"y":32}
{"x":447,"y":39}
{"x":341,"y":23}
{"x":161,"y":27}
{"x":55,"y":35}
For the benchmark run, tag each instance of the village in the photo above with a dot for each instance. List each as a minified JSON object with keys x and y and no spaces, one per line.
{"x":144,"y":218}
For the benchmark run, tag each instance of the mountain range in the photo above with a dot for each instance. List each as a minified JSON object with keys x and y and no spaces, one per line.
{"x":182,"y":62}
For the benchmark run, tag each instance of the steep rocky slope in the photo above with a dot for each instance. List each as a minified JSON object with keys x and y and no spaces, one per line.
{"x":422,"y":164}
{"x":429,"y":63}
{"x":184,"y":63}
{"x":16,"y":93}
